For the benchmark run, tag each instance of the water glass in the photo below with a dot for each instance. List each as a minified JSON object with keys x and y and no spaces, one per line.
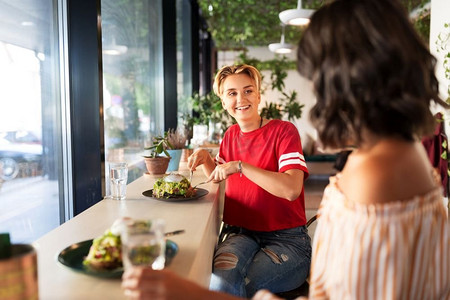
{"x":144,"y":244}
{"x":118,"y":176}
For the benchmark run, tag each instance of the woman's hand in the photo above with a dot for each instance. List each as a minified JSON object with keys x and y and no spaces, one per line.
{"x":201,"y":157}
{"x":197,"y":158}
{"x":265,"y":295}
{"x":146,"y":283}
{"x":221,"y":172}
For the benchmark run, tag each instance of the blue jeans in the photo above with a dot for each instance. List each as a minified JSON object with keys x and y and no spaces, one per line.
{"x":248,"y":261}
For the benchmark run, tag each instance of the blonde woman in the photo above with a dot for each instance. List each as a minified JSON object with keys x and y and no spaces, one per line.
{"x":264,"y":168}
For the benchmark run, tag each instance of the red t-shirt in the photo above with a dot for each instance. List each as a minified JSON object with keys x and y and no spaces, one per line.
{"x":275,"y":147}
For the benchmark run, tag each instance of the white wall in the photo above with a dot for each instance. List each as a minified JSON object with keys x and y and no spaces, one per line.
{"x":440,"y":14}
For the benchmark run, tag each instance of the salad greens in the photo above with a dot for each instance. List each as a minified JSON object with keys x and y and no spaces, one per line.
{"x":164,"y":188}
{"x":144,"y":255}
{"x":105,"y":252}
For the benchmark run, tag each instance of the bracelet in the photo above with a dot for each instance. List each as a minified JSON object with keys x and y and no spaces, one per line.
{"x":240,"y":168}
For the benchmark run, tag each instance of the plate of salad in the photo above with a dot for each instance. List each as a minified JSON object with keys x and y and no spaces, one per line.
{"x":101,"y":257}
{"x":198,"y":193}
{"x":174,"y":187}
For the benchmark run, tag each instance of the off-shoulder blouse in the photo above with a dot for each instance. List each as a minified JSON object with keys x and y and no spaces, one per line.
{"x":396,"y":250}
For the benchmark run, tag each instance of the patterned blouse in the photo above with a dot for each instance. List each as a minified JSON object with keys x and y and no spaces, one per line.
{"x":397,"y":250}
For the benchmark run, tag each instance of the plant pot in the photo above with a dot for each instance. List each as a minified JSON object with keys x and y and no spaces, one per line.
{"x":174,"y":163}
{"x":157,"y":165}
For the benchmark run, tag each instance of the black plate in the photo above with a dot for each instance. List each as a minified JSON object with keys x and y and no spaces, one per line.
{"x":198,"y":193}
{"x":74,"y":255}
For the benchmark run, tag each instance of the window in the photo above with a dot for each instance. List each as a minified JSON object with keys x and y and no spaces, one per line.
{"x":184,"y":58}
{"x":31,"y":189}
{"x":132,"y":79}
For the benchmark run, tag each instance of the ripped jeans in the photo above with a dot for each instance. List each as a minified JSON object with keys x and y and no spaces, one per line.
{"x":248,"y":261}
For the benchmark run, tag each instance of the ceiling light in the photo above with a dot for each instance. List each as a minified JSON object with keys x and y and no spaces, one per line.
{"x":27,"y":23}
{"x":281,"y":47}
{"x":114,"y":50}
{"x":296,"y":17}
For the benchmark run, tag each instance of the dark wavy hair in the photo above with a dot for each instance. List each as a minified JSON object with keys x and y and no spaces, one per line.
{"x":370,"y":71}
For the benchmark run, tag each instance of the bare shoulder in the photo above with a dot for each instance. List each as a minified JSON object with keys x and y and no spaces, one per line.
{"x":389,"y":172}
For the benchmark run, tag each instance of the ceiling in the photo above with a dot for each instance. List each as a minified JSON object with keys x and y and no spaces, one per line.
{"x":243,"y":23}
{"x":232,"y":23}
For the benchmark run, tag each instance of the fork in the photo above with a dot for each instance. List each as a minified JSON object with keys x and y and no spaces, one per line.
{"x":190,"y":176}
{"x":206,"y":181}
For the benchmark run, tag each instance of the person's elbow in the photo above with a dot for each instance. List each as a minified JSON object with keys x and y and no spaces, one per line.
{"x":295,"y":186}
{"x":293,"y":195}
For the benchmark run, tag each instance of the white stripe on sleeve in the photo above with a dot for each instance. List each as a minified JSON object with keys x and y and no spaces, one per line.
{"x":291,"y":162}
{"x":291,"y":155}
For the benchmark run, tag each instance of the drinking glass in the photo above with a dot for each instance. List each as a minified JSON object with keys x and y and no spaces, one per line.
{"x":118,"y":176}
{"x":143,"y":244}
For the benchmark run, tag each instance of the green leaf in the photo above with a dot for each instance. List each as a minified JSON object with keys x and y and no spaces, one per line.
{"x":159,"y":149}
{"x":245,"y":23}
{"x":166,"y":153}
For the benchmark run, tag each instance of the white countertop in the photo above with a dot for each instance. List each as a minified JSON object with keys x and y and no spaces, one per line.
{"x":199,"y":218}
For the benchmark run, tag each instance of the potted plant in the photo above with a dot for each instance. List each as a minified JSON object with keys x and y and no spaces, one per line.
{"x":177,"y":140}
{"x":286,"y":107}
{"x":208,"y":116}
{"x":157,"y":161}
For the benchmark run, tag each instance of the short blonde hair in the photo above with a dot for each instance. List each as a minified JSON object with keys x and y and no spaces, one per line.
{"x":226,"y":71}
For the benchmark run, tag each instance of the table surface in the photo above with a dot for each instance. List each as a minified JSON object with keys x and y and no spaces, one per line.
{"x":200,"y":218}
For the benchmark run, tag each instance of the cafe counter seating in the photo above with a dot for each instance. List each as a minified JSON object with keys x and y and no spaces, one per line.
{"x":199,"y":218}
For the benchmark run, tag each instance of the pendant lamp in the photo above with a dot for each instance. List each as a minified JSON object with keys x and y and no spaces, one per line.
{"x":281,"y":47}
{"x":296,"y":17}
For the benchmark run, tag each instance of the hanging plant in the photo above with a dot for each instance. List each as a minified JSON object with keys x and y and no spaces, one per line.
{"x":236,"y":24}
{"x":244,"y":23}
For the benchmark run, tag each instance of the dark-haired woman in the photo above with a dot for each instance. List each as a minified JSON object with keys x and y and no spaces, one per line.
{"x":383,"y":231}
